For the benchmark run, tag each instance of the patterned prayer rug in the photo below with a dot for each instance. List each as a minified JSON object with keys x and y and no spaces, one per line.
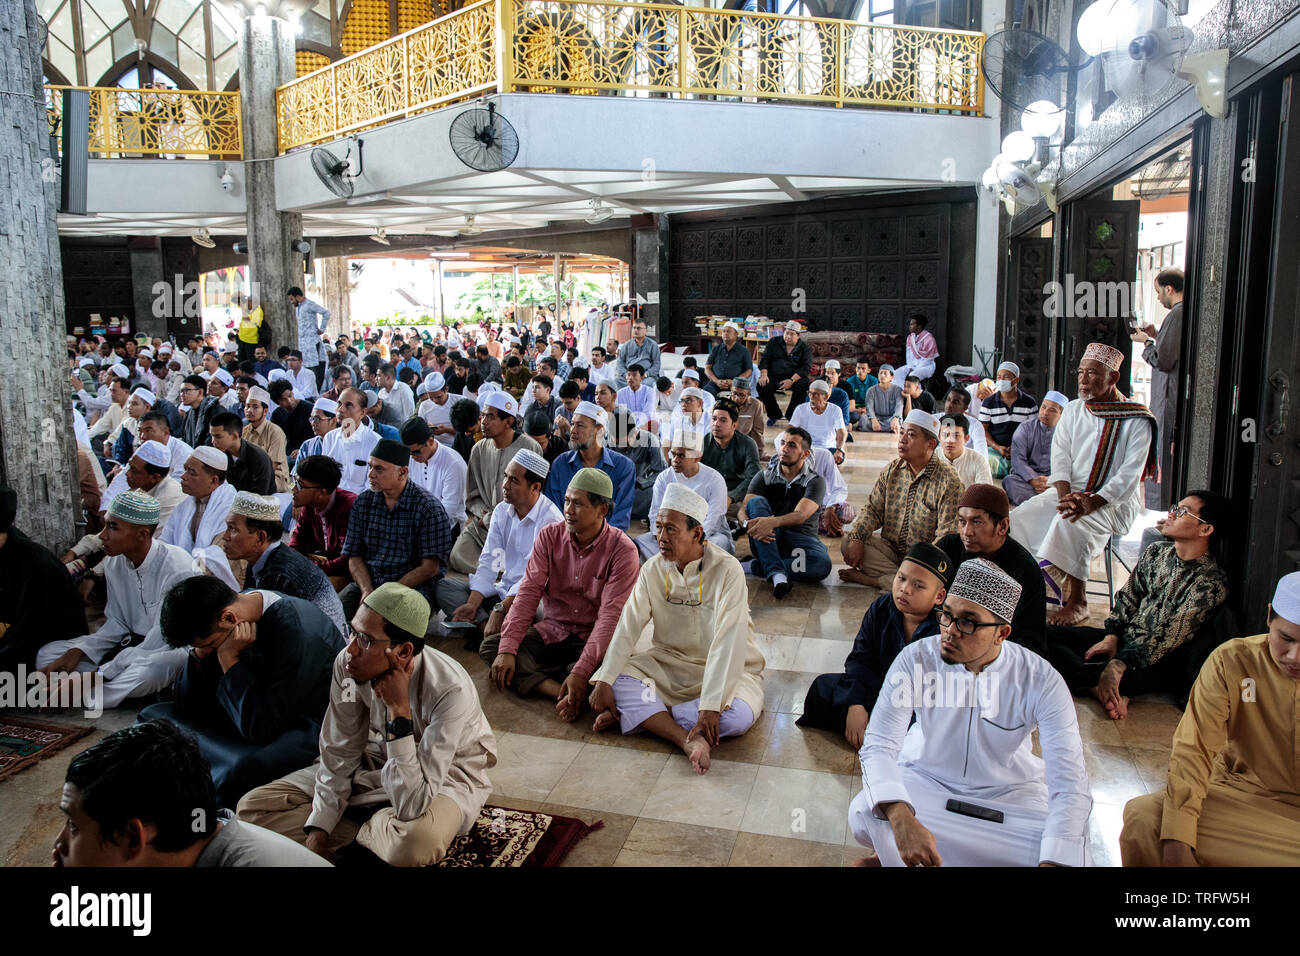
{"x":504,"y":837}
{"x":24,"y":742}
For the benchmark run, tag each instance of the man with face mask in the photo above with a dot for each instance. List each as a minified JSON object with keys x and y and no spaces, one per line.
{"x":404,"y":737}
{"x":930,"y":793}
{"x":1002,"y":414}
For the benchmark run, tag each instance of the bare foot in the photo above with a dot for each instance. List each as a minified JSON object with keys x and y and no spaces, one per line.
{"x":698,"y":751}
{"x":1120,"y":710}
{"x":1069,"y":615}
{"x":854,"y":576}
{"x":604,"y":720}
{"x":867,"y":861}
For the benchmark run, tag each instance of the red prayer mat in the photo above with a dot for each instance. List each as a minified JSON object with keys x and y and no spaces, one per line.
{"x":24,"y":742}
{"x":504,"y":837}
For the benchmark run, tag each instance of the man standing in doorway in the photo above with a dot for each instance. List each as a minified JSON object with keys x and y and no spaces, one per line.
{"x":1162,"y":352}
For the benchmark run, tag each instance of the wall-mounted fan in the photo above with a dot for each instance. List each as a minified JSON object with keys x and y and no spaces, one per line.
{"x":1024,"y":67}
{"x":203,"y":238}
{"x":1017,"y":188}
{"x":483,"y":140}
{"x":1164,"y":176}
{"x":336,"y":173}
{"x":599,"y":211}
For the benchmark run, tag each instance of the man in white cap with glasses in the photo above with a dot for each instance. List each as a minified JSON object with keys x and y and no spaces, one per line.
{"x":1003,"y":413}
{"x":914,"y":499}
{"x":701,"y":678}
{"x":1031,"y":450}
{"x":128,"y":651}
{"x":728,"y":360}
{"x":960,"y":785}
{"x":323,"y":419}
{"x":436,"y":407}
{"x":689,"y":415}
{"x":352,"y":441}
{"x":686,"y":469}
{"x":199,"y":521}
{"x":822,"y":420}
{"x":1103,"y":448}
{"x":588,"y":450}
{"x":1232,"y":797}
{"x":524,"y":510}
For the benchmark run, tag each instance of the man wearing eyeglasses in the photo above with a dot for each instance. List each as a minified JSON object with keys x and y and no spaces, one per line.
{"x":961,"y":786}
{"x":1154,"y":638}
{"x":324,"y":510}
{"x":198,"y":407}
{"x":1102,"y":449}
{"x":351,"y":443}
{"x":404,"y":746}
{"x":685,"y":468}
{"x":322,"y":420}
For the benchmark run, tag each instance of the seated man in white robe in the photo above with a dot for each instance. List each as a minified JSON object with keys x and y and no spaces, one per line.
{"x":1103,"y":448}
{"x":962,"y":786}
{"x":128,"y":651}
{"x":690,"y":415}
{"x":404,"y":737}
{"x":686,"y":469}
{"x":198,"y":524}
{"x":436,"y":468}
{"x":701,"y":679}
{"x":837,"y":513}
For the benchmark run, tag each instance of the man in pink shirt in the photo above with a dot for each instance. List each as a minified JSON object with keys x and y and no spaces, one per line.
{"x":922,"y":349}
{"x":585,"y":568}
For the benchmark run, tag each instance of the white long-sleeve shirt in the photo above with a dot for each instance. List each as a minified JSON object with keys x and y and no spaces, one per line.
{"x":509,"y":545}
{"x":443,"y":476}
{"x":303,"y":382}
{"x":707,"y":483}
{"x":448,"y":754}
{"x":353,"y":455}
{"x":641,"y":403}
{"x":1074,"y":448}
{"x":972,"y":736}
{"x":837,"y":489}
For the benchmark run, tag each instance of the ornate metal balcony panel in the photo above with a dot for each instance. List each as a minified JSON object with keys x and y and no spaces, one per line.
{"x":608,"y":48}
{"x":134,"y":123}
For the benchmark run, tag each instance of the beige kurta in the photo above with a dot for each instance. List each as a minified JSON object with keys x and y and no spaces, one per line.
{"x":269,"y":437}
{"x":703,"y":638}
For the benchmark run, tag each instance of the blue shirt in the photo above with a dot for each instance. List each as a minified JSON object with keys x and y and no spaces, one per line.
{"x":621,"y":472}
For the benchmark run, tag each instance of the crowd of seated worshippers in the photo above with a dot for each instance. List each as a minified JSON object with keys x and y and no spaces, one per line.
{"x":283,"y":645}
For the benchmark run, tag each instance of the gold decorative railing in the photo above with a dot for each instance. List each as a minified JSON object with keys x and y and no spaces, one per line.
{"x":599,"y":47}
{"x":161,"y":123}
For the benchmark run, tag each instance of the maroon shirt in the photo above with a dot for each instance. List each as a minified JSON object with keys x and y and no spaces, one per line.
{"x":323,"y":532}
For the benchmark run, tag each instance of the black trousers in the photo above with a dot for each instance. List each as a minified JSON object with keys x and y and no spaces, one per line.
{"x":1174,"y":673}
{"x":798,"y":395}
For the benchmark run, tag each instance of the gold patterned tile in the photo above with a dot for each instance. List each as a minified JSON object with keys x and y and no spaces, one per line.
{"x":779,"y":619}
{"x":779,"y":650}
{"x":1112,"y":774}
{"x":1150,"y":723}
{"x":1153,"y":768}
{"x":663,"y":843}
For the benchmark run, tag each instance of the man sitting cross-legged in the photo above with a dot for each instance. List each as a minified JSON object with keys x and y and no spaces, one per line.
{"x":584,"y":568}
{"x":842,"y":703}
{"x":701,"y":679}
{"x":253,"y":533}
{"x":984,"y":531}
{"x":404,"y":742}
{"x":523,"y":512}
{"x":143,"y":796}
{"x":128,"y":651}
{"x":1232,"y":797}
{"x":914,"y":499}
{"x":966,"y":789}
{"x":256,"y":682}
{"x":1150,"y":641}
{"x":781,"y":515}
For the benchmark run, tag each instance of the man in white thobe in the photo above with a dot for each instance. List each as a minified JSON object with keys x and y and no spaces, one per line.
{"x":199,"y":522}
{"x":962,"y":786}
{"x":351,"y":443}
{"x":686,"y":469}
{"x":1103,"y":447}
{"x":437,"y":469}
{"x":128,"y":651}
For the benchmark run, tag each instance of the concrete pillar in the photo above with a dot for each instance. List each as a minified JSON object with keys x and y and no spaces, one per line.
{"x":338,"y":299}
{"x":37,"y":457}
{"x":649,"y":273}
{"x":266,"y":61}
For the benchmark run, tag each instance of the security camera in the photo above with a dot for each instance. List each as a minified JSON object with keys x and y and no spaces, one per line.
{"x":227,"y":181}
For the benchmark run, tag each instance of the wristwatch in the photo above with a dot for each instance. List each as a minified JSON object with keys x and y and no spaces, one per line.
{"x":499,"y":607}
{"x":398,"y":727}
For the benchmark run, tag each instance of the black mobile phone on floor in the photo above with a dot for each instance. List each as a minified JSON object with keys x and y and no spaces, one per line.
{"x":976,"y":811}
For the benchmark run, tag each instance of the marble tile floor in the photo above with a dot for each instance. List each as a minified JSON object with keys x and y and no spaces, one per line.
{"x":777,"y":796}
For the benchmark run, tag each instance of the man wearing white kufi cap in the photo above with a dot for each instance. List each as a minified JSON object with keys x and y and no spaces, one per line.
{"x":1103,"y":447}
{"x":962,"y":786}
{"x":436,"y":407}
{"x":1003,"y":414}
{"x":199,"y":521}
{"x":701,"y":679}
{"x":588,"y":450}
{"x":128,"y":650}
{"x":686,"y":469}
{"x":691,"y":414}
{"x":259,"y":430}
{"x":822,"y":420}
{"x":1232,"y":797}
{"x":523,"y":511}
{"x":1031,"y":450}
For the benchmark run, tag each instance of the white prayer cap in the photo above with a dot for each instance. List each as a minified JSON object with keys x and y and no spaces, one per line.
{"x":1286,"y":597}
{"x":373,"y":398}
{"x":152,"y":453}
{"x":832,"y":363}
{"x":229,"y":347}
{"x":224,"y":377}
{"x":689,"y":440}
{"x":259,"y":394}
{"x":421,"y":389}
{"x":212,"y":457}
{"x":984,"y":583}
{"x":679,"y":498}
{"x":793,"y":326}
{"x":257,"y":507}
{"x":146,"y":396}
{"x":502,"y":402}
{"x":434,"y":382}
{"x":691,"y":373}
{"x":692,"y":392}
{"x":120,"y":370}
{"x":820,"y":385}
{"x":593,"y":411}
{"x":529,"y":460}
{"x":84,"y":361}
{"x":165,"y":347}
{"x":146,"y":352}
{"x":1011,"y":367}
{"x":1056,"y":397}
{"x":922,"y":420}
{"x":730,"y":325}
{"x":276,"y":374}
{"x":327,"y":405}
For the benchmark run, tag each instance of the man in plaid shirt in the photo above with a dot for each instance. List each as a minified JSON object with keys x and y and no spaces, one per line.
{"x":397,"y":532}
